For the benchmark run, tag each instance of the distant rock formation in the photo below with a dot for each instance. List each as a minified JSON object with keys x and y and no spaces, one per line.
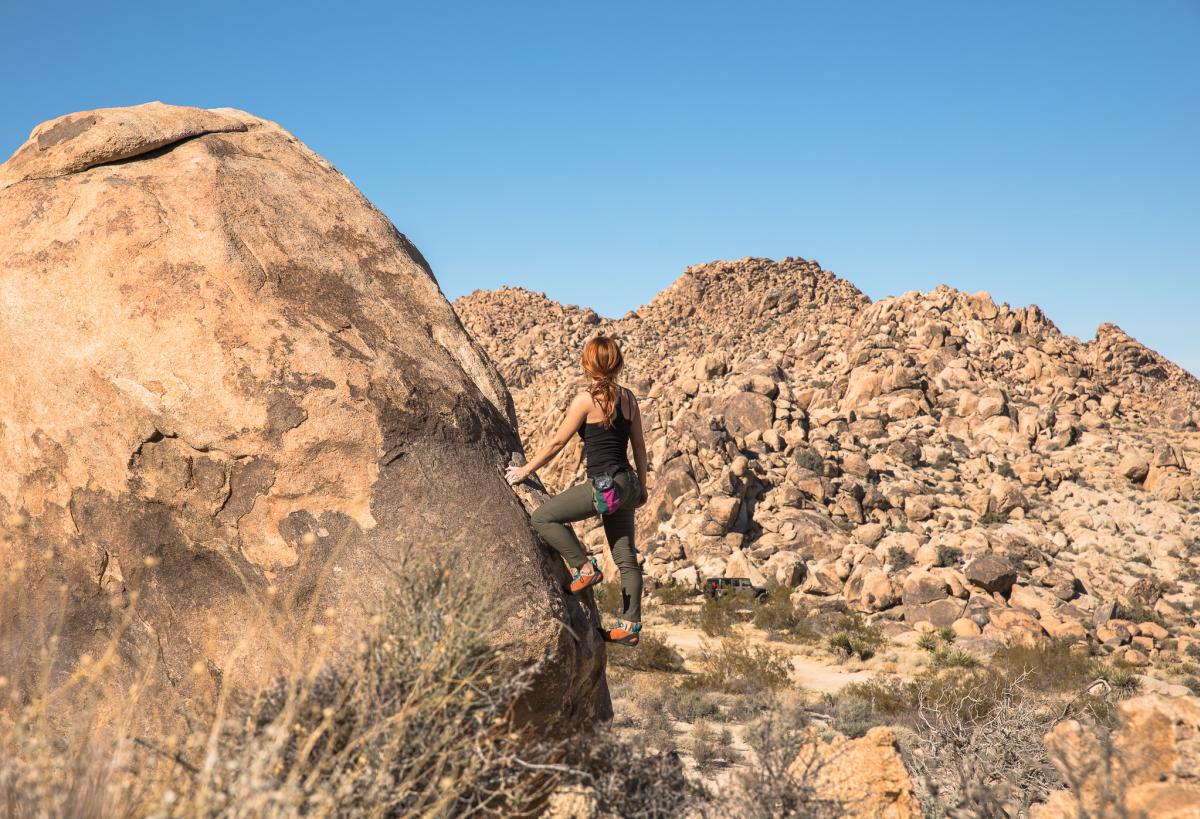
{"x":223,"y":370}
{"x":865,"y":453}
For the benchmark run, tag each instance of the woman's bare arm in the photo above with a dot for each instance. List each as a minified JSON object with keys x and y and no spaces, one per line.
{"x":576,"y":412}
{"x":638,"y":440}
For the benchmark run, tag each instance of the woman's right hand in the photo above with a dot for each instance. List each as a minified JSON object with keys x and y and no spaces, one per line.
{"x":515,"y":474}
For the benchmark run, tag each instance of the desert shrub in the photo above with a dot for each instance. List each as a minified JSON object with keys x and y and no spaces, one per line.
{"x":853,"y":716}
{"x":608,"y":598}
{"x":810,"y":459}
{"x":1124,"y":680}
{"x":949,"y":555}
{"x":953,"y":658}
{"x":417,"y":719}
{"x":1137,"y":611}
{"x":1004,"y":468}
{"x":652,"y":653}
{"x":776,"y":615}
{"x":627,"y":781}
{"x":1053,"y":667}
{"x":993,"y":518}
{"x":779,"y":782}
{"x":928,"y":641}
{"x":719,"y":614}
{"x":978,"y":744}
{"x":674,"y":594}
{"x":847,"y":634}
{"x":944,"y":459}
{"x":735,"y":668}
{"x":899,"y":558}
{"x":705,"y":750}
{"x":688,"y":705}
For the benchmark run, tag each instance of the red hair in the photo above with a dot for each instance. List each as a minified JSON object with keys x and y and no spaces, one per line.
{"x":602,"y":361}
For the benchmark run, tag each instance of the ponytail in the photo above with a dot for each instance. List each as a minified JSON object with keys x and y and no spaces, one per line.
{"x":602,"y":361}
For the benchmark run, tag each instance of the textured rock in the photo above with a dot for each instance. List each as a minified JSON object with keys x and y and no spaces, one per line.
{"x":220,"y":357}
{"x":864,"y":778}
{"x":991,"y":573}
{"x":1151,"y":768}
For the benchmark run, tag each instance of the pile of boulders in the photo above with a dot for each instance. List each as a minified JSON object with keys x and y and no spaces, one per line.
{"x":933,"y":460}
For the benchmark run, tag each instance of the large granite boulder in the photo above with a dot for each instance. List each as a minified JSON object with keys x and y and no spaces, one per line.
{"x":225,"y":373}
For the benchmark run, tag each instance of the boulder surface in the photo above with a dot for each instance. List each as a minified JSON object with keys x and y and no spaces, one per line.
{"x":228,"y":381}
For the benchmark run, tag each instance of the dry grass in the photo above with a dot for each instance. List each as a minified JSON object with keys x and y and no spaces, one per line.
{"x":735,"y":668}
{"x":417,"y":719}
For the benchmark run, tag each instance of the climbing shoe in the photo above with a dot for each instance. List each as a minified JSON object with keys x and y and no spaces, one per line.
{"x":581,"y":581}
{"x":621,"y":634}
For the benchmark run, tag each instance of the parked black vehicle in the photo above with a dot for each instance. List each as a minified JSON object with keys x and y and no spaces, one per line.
{"x":721,"y":586}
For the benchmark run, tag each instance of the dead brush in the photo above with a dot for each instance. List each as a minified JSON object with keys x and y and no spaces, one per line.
{"x":417,"y":719}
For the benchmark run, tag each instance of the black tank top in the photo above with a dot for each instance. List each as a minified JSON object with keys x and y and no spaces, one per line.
{"x":605,"y":447}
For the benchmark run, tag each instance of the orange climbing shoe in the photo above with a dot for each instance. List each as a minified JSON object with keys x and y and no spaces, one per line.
{"x":621,"y":634}
{"x":581,"y":581}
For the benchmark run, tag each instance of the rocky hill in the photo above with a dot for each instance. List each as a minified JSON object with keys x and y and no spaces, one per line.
{"x":932,"y":460}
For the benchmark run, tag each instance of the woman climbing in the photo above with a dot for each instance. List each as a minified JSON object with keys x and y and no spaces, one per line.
{"x":607,"y":418}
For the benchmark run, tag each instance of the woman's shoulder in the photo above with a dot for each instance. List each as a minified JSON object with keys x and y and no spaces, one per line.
{"x":628,"y":398}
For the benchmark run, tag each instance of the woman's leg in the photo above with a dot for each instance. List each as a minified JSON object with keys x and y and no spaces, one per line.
{"x":618,"y":528}
{"x":550,"y":519}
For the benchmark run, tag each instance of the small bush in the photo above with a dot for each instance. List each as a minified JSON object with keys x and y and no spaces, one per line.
{"x":927,"y":641}
{"x":849,"y":635}
{"x":776,"y":615}
{"x":1055,"y":667}
{"x":899,"y":558}
{"x":810,"y":459}
{"x":776,"y":785}
{"x":954,"y":658}
{"x":949,"y":555}
{"x":706,"y":750}
{"x":652,"y":653}
{"x":736,"y":668}
{"x":674,"y":594}
{"x":1136,"y":611}
{"x":993,"y":518}
{"x":853,"y":716}
{"x":608,"y":598}
{"x":1124,"y":680}
{"x":719,"y":614}
{"x":688,"y":705}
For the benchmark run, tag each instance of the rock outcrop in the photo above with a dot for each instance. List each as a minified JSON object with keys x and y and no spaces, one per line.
{"x":1030,"y":485}
{"x":1150,"y":766}
{"x":225,"y":373}
{"x":863,"y":778}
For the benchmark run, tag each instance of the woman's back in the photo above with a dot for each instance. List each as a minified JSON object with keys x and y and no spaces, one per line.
{"x":605,"y":448}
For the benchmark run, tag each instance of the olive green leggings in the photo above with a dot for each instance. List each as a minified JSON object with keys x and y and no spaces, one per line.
{"x":551,"y":519}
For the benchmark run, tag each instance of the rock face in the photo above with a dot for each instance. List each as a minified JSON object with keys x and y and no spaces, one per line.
{"x":789,"y":417}
{"x":865,"y":777}
{"x":1149,"y":767}
{"x":225,"y":370}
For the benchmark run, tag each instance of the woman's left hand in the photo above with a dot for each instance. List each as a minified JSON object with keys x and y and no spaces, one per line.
{"x":515,"y":474}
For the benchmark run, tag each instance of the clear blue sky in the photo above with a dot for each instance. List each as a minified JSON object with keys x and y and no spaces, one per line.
{"x":1046,"y":151}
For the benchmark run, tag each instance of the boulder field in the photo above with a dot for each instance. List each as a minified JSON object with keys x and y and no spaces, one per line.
{"x":227,"y":381}
{"x":931,"y":460}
